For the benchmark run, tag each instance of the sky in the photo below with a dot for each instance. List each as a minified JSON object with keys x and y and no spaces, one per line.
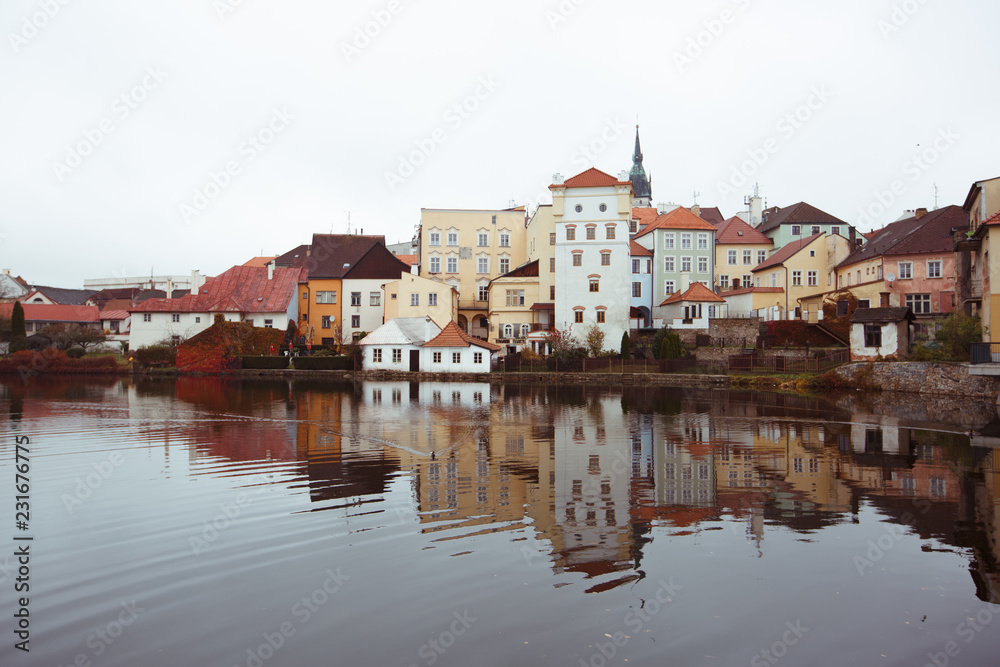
{"x":162,"y":137}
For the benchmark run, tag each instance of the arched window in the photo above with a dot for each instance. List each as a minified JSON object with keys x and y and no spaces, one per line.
{"x":508,"y":331}
{"x":525,"y":330}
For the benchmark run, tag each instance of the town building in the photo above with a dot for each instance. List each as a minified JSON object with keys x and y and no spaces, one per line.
{"x":692,"y":308}
{"x":738,"y":249}
{"x":799,"y":269}
{"x":414,"y":296}
{"x":517,"y":311}
{"x":642,"y":285}
{"x":642,"y":186}
{"x":977,"y":281}
{"x":397,"y":344}
{"x":877,"y":333}
{"x":798,"y":221}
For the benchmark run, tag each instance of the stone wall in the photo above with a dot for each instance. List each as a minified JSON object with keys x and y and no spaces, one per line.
{"x":917,"y":377}
{"x":735,"y":327}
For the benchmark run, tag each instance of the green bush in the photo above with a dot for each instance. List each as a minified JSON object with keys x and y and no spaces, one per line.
{"x":670,"y":348}
{"x":626,"y":346}
{"x":324,"y":363}
{"x":262,"y":363}
{"x":156,"y":354}
{"x":75,"y":352}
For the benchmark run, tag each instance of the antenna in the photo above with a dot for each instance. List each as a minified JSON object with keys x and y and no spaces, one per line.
{"x":935,"y":196}
{"x":348,"y":222}
{"x":696,"y":195}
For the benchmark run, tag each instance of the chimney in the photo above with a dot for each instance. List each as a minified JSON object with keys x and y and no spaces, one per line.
{"x":270,"y":270}
{"x":685,"y":281}
{"x":919,"y":213}
{"x":195,"y":282}
{"x":622,"y":176}
{"x":852,"y":237}
{"x":6,"y":272}
{"x":170,"y":288}
{"x":696,"y":210}
{"x":756,"y":211}
{"x":557,"y":179}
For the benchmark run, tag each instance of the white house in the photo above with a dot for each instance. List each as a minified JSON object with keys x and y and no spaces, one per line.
{"x":593,"y":286}
{"x":397,"y":344}
{"x":454,"y":351}
{"x":263,"y":296}
{"x":879,"y":332}
{"x":692,"y":308}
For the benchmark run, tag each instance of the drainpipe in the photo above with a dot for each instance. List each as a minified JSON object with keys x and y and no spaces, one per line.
{"x":787,"y":286}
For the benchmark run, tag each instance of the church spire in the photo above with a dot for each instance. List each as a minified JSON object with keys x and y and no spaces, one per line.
{"x":641,"y":185}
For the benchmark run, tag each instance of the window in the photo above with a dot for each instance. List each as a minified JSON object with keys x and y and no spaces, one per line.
{"x":175,"y":317}
{"x":747,"y":280}
{"x":633,"y":226}
{"x":732,"y":257}
{"x":552,"y":238}
{"x":864,"y":303}
{"x":552,"y":292}
{"x":842,"y":306}
{"x":414,"y":299}
{"x":268,"y":324}
{"x":508,"y":331}
{"x":796,"y":279}
{"x":703,"y":265}
{"x":811,"y":277}
{"x":605,"y":259}
{"x":477,"y":357}
{"x":702,"y":241}
{"x":570,"y":233}
{"x":432,"y":299}
{"x":525,"y":330}
{"x":355,"y":321}
{"x":905,"y":270}
{"x":326,"y":322}
{"x":636,"y":265}
{"x":686,"y":241}
{"x":374,"y":298}
{"x":609,"y":231}
{"x":873,"y":335}
{"x":761,"y":256}
{"x":577,"y":259}
{"x":484,"y":239}
{"x":435,"y":238}
{"x":484,"y":293}
{"x":919,"y":303}
{"x":504,"y":240}
{"x":482,"y":265}
{"x":636,"y":290}
{"x":435,"y":265}
{"x":934,"y":268}
{"x":436,"y":357}
{"x":595,"y":285}
{"x":835,"y":229}
{"x":515,"y":297}
{"x":812,"y":253}
{"x":668,"y":264}
{"x":355,"y":298}
{"x":603,"y":208}
{"x":600,"y":317}
{"x":197,"y":320}
{"x":397,"y":354}
{"x":668,"y":241}
{"x":579,"y":208}
{"x":326,"y":297}
{"x":578,"y":316}
{"x":504,"y":265}
{"x":452,"y":238}
{"x":377,"y":355}
{"x":796,"y":230}
{"x":815,"y":229}
{"x":591,"y":232}
{"x":452,"y":265}
{"x":668,"y":287}
{"x":147,"y":317}
{"x":747,"y":257}
{"x":685,"y":263}
{"x":724,"y":282}
{"x":552,"y":264}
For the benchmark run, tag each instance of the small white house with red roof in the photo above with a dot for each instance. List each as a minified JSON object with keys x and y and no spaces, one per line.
{"x":263,"y":296}
{"x":692,"y":308}
{"x":418,"y":344}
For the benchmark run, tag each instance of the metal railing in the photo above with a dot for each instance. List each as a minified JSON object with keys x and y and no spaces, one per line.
{"x":984,"y":353}
{"x":755,"y":363}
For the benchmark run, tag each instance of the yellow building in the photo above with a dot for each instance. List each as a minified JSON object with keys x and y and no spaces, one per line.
{"x":413,"y":296}
{"x":515,"y":312}
{"x":801,"y":269}
{"x":978,"y":272}
{"x":466,"y":249}
{"x":738,"y":249}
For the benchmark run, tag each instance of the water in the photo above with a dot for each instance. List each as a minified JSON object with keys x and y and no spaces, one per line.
{"x":212,"y":522}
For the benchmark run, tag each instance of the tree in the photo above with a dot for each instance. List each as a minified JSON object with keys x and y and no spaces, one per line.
{"x":66,"y":336}
{"x":626,"y":346}
{"x":291,"y":331}
{"x":560,"y":340}
{"x":18,"y":336}
{"x":670,"y":348}
{"x":957,"y":334}
{"x":594,"y":340}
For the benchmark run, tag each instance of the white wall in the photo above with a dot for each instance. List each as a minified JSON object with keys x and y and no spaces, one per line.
{"x":161,"y":325}
{"x":387,"y":363}
{"x":890,"y":341}
{"x":446,"y":365}
{"x":371,"y":316}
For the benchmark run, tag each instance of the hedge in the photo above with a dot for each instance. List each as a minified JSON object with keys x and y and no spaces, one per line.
{"x":260,"y":363}
{"x":340,"y":363}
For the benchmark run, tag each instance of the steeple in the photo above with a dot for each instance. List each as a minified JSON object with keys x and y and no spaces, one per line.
{"x":642,"y":188}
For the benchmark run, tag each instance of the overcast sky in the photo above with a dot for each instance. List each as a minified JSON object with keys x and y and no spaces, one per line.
{"x":195,"y":134}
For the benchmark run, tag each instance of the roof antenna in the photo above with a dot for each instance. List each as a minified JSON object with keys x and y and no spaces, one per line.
{"x":696,"y":195}
{"x":935,"y":196}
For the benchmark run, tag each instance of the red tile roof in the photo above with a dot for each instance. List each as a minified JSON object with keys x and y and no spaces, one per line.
{"x":787,"y":251}
{"x":636,"y":250}
{"x":679,"y":218}
{"x":243,"y":289}
{"x":930,"y":233}
{"x":697,"y":292}
{"x":114,"y":315}
{"x":54,"y":312}
{"x":453,"y":336}
{"x":735,"y":231}
{"x":748,"y":290}
{"x":526,"y":270}
{"x":592,"y":178}
{"x":644,"y":216}
{"x":992,"y":220}
{"x":408,"y":259}
{"x":259,"y":261}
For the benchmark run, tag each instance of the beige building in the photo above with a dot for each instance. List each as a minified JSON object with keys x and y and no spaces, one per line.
{"x":515,"y":312}
{"x":738,"y":249}
{"x":801,"y":269}
{"x":977,"y":271}
{"x":466,"y":249}
{"x":413,"y":296}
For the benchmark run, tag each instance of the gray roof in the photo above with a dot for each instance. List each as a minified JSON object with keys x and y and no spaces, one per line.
{"x":64,"y":296}
{"x":881,"y":315}
{"x":403,"y":331}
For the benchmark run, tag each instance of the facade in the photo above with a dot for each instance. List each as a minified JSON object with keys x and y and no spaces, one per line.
{"x":37,"y":316}
{"x":262,"y":296}
{"x":793,"y":223}
{"x":692,"y":308}
{"x":683,"y":247}
{"x":642,"y":284}
{"x":515,"y":313}
{"x":115,"y":324}
{"x":466,"y":249}
{"x":799,"y":269}
{"x":541,"y":239}
{"x":592,"y":212}
{"x":11,"y":287}
{"x":397,"y":344}
{"x":880,"y":332}
{"x":454,"y":351}
{"x":977,"y":273}
{"x":738,"y":249}
{"x":758,"y":302}
{"x":413,"y":296}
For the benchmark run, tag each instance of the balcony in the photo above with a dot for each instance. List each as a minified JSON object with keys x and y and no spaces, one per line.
{"x":541,"y":326}
{"x":469,"y":304}
{"x":976,"y":288}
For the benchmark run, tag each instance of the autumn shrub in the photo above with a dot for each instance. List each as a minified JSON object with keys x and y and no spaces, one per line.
{"x":221,"y":346}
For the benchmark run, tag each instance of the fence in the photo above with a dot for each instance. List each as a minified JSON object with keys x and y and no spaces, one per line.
{"x":753,"y":363}
{"x":515,"y":363}
{"x":984,"y":353}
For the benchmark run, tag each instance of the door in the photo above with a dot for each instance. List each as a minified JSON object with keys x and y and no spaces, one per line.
{"x":414,"y":360}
